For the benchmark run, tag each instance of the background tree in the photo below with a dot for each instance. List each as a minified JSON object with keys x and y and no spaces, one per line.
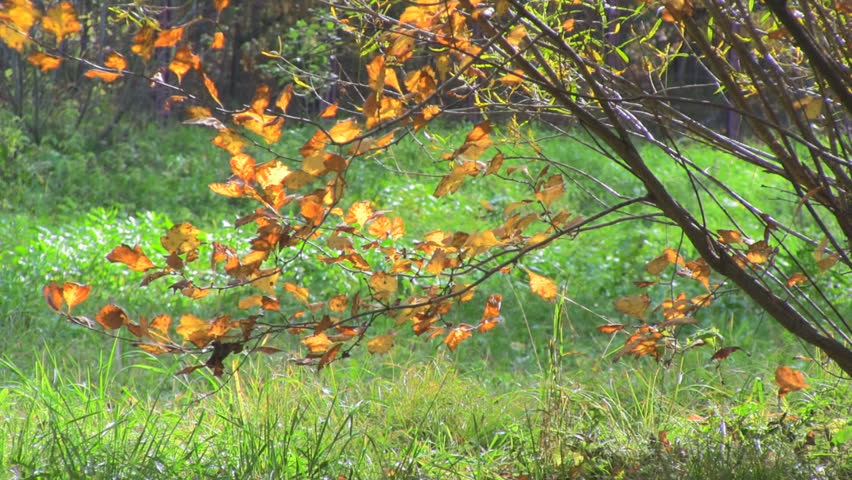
{"x":598,"y":76}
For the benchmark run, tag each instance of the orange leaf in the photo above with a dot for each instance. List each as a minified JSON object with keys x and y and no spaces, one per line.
{"x":330,"y":111}
{"x":610,"y":328}
{"x":53,"y":295}
{"x":338,"y":303}
{"x":132,"y":257}
{"x":211,"y":88}
{"x":195,"y":330}
{"x":284,"y":98}
{"x":114,"y":61}
{"x":143,"y":42}
{"x":44,"y":61}
{"x":21,"y":14}
{"x":542,"y":286}
{"x":456,"y":336}
{"x":112,"y":317}
{"x":300,"y":293}
{"x":74,"y":293}
{"x":380,"y":344}
{"x":789,"y":380}
{"x":633,"y":305}
{"x":61,"y":20}
{"x":568,"y":25}
{"x":492,"y":306}
{"x":796,"y":279}
{"x":660,"y":263}
{"x":359,"y":213}
{"x":344,"y":131}
{"x":218,"y":41}
{"x":220,"y":5}
{"x":552,"y":189}
{"x":169,"y":38}
{"x":317,"y":343}
{"x":184,"y":61}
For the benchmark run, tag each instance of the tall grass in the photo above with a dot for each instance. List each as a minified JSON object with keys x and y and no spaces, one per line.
{"x":538,"y":397}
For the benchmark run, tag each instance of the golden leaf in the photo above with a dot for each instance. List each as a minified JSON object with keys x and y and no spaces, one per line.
{"x":383,"y":285}
{"x":265,"y":280}
{"x":169,"y":38}
{"x":797,"y":278}
{"x":114,"y":61}
{"x":143,"y":42}
{"x":44,"y":61}
{"x":16,"y":19}
{"x":194,"y":330}
{"x":301,"y":293}
{"x":456,"y":336}
{"x":74,"y":293}
{"x":218,"y":41}
{"x":552,"y":189}
{"x":317,"y":343}
{"x":492,"y":306}
{"x":181,"y":238}
{"x":542,"y":286}
{"x":758,"y":252}
{"x":380,"y":344}
{"x":184,"y":61}
{"x":731,"y":237}
{"x":53,"y":295}
{"x":132,"y":257}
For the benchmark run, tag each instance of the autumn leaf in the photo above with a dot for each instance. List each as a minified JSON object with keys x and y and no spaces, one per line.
{"x":633,"y":305}
{"x":796,"y":278}
{"x":74,"y":293}
{"x":492,"y":306}
{"x":301,"y":293}
{"x":542,"y":286}
{"x":53,"y":295}
{"x":330,"y":111}
{"x":284,"y":98}
{"x":111,"y":317}
{"x":551,"y":190}
{"x":132,"y":257}
{"x":380,"y":344}
{"x":114,"y":61}
{"x":383,"y":285}
{"x":16,"y":19}
{"x":758,"y":252}
{"x":184,"y":61}
{"x":359,"y":213}
{"x":724,"y":353}
{"x":218,"y":42}
{"x":660,"y":263}
{"x":318,"y":343}
{"x":143,"y":42}
{"x":169,"y":38}
{"x":338,"y":303}
{"x":344,"y":131}
{"x":220,"y":5}
{"x":181,"y":238}
{"x":731,"y":237}
{"x":610,"y":328}
{"x":789,"y":380}
{"x":456,"y":336}
{"x":44,"y":61}
{"x":194,"y":330}
{"x":265,"y":280}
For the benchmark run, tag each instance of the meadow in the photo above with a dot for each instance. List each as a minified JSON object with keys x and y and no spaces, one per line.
{"x":540,"y":397}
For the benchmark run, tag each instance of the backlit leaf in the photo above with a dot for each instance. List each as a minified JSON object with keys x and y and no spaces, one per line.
{"x":111,"y":317}
{"x":143,"y":42}
{"x":16,"y":19}
{"x":220,"y":5}
{"x":44,"y":61}
{"x":456,"y":336}
{"x":492,"y":306}
{"x":284,"y":98}
{"x":61,"y":20}
{"x":194,"y":330}
{"x":184,"y":61}
{"x":383,"y":285}
{"x":758,"y":252}
{"x":169,"y":38}
{"x":330,"y":111}
{"x":338,"y":303}
{"x":344,"y":131}
{"x":53,"y":295}
{"x":660,"y":263}
{"x":610,"y":328}
{"x":797,"y":278}
{"x":301,"y":293}
{"x":132,"y":257}
{"x":789,"y":380}
{"x":181,"y":238}
{"x":74,"y":293}
{"x":266,"y":279}
{"x":359,"y":213}
{"x":114,"y":61}
{"x":542,"y":286}
{"x":731,"y":237}
{"x":218,"y":42}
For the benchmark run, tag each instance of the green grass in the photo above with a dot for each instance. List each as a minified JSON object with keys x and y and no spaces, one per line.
{"x":538,"y":397}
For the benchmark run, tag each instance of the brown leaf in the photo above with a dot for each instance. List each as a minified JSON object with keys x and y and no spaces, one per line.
{"x":53,"y":295}
{"x":731,"y":237}
{"x":724,"y":353}
{"x":633,"y":305}
{"x":610,"y":328}
{"x":383,"y":285}
{"x":111,"y":317}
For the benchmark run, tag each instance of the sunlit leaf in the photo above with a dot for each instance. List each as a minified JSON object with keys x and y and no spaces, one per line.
{"x":610,"y":328}
{"x":133,"y":257}
{"x":184,"y":61}
{"x":44,"y":61}
{"x":551,"y":190}
{"x":220,"y":5}
{"x":181,"y":238}
{"x":330,"y":111}
{"x":114,"y":61}
{"x":344,"y":131}
{"x":380,"y":344}
{"x":456,"y":336}
{"x":542,"y":286}
{"x":143,"y":42}
{"x":266,"y":279}
{"x":169,"y":38}
{"x":758,"y":252}
{"x":16,"y":19}
{"x":301,"y":293}
{"x":218,"y":41}
{"x":383,"y":285}
{"x":797,"y":278}
{"x":359,"y":213}
{"x":660,"y":263}
{"x":74,"y":293}
{"x":492,"y":306}
{"x":731,"y":237}
{"x":53,"y":295}
{"x":318,"y":343}
{"x":194,"y":330}
{"x":111,"y":317}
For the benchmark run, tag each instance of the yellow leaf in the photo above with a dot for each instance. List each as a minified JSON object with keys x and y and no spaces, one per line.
{"x":551,"y":190}
{"x":16,"y":19}
{"x":380,"y":344}
{"x":181,"y":238}
{"x":344,"y":131}
{"x":318,"y":343}
{"x":383,"y":285}
{"x":300,"y":293}
{"x":265,"y":280}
